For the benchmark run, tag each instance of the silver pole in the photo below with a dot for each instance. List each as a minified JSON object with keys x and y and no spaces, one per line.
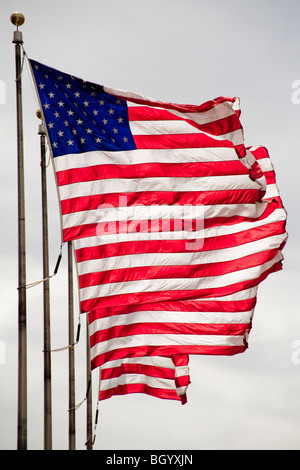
{"x":46,"y":296}
{"x":72,"y":440}
{"x":89,"y":412}
{"x":18,"y":19}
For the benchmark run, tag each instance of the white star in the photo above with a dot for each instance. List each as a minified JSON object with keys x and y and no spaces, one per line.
{"x":125,"y":139}
{"x":56,"y":114}
{"x":120,"y":120}
{"x":82,"y":140}
{"x":70,"y":142}
{"x":68,"y":85}
{"x":60,"y":133}
{"x":86,"y":103}
{"x":89,"y":131}
{"x":66,"y":123}
{"x":60,"y":104}
{"x":77,"y":94}
{"x":79,"y":121}
{"x":46,"y":105}
{"x":115,"y":130}
{"x":51,"y":95}
{"x":95,"y":112}
{"x":98,"y":140}
{"x":101,"y":102}
{"x":50,"y":125}
{"x":74,"y":131}
{"x":54,"y":145}
{"x":70,"y":113}
{"x":111,"y":111}
{"x":42,"y":86}
{"x":104,"y":121}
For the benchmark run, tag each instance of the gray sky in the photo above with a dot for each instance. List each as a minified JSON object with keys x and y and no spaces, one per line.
{"x":182,"y":51}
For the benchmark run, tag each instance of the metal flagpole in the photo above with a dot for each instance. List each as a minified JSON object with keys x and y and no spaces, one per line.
{"x":46,"y":295}
{"x":18,"y":19}
{"x":72,"y":440}
{"x":89,"y":413}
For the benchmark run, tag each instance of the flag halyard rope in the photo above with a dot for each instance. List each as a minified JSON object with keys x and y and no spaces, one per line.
{"x":33,"y":284}
{"x":92,"y":438}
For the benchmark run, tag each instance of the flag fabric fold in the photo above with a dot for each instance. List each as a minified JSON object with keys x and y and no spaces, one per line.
{"x":174,"y":224}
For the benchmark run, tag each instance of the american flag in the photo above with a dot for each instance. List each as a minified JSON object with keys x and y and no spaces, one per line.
{"x":174,"y":224}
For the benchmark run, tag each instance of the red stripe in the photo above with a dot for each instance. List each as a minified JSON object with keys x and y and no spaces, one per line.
{"x":151,"y":170}
{"x":139,"y":388}
{"x":90,"y":230}
{"x":184,"y":108}
{"x":238,"y":196}
{"x":226,"y":306}
{"x":181,"y":271}
{"x":160,"y":296}
{"x":178,"y":141}
{"x":180,"y":360}
{"x":166,"y":351}
{"x":182,"y":381}
{"x":133,"y":368}
{"x":259,"y":152}
{"x":168,"y":329}
{"x":270,"y":177}
{"x":148,"y":226}
{"x":178,"y":246}
{"x":216,"y":127}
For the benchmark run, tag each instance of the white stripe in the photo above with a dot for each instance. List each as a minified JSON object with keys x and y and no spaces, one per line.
{"x":247,"y":210}
{"x":133,"y":213}
{"x":180,"y":284}
{"x":272,"y":191}
{"x":180,"y":259}
{"x":131,"y":157}
{"x":108,"y":213}
{"x":218,"y":111}
{"x":245,"y":294}
{"x":181,"y":390}
{"x":265,"y":164}
{"x":180,"y":127}
{"x":220,"y":318}
{"x":221,"y":111}
{"x":118,"y":185}
{"x":162,"y":127}
{"x":127,"y":379}
{"x":181,"y":371}
{"x":158,"y":361}
{"x":165,"y":340}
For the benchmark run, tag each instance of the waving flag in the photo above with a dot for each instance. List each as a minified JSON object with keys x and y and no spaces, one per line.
{"x":174,"y":224}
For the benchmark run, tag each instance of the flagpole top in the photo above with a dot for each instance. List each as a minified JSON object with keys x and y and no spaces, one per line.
{"x":42,"y":130}
{"x":17,"y":18}
{"x":39,"y":114}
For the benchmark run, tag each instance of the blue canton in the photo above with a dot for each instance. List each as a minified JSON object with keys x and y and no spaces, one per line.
{"x":80,"y":116}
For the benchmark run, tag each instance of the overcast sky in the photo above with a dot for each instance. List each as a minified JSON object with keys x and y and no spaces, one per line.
{"x":182,"y":51}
